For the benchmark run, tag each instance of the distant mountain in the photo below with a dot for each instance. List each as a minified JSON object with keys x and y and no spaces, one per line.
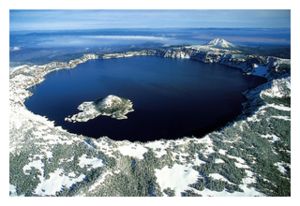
{"x":221,"y":43}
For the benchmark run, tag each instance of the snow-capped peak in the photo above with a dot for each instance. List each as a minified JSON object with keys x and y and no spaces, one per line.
{"x":220,"y":43}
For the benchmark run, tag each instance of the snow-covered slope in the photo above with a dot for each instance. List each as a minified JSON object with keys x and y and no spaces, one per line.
{"x":248,"y":157}
{"x":220,"y":43}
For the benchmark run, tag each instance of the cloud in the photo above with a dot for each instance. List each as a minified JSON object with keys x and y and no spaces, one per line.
{"x":99,"y":19}
{"x":15,"y":48}
{"x":127,"y":37}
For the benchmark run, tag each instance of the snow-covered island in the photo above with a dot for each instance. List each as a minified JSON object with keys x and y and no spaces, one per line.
{"x":113,"y":106}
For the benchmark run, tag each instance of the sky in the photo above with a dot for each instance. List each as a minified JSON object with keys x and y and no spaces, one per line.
{"x":25,"y":20}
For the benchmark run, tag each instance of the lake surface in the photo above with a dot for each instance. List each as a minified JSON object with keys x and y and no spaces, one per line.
{"x":172,"y":98}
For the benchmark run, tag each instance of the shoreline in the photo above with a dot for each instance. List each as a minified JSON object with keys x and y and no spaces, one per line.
{"x":38,"y":73}
{"x":37,"y":137}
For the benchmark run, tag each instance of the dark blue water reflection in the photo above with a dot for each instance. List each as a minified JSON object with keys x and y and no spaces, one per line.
{"x":172,"y":98}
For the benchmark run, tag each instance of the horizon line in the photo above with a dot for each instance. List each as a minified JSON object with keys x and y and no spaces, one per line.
{"x":141,"y":28}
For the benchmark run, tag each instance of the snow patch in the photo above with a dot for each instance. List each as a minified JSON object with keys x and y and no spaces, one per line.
{"x":280,"y":88}
{"x":90,"y":162}
{"x":248,"y":191}
{"x":270,"y":137}
{"x":219,"y":161}
{"x":178,"y":177}
{"x":48,"y":154}
{"x":217,"y":176}
{"x":38,"y":164}
{"x":198,"y":161}
{"x":158,"y":148}
{"x":280,"y":167}
{"x":208,"y":143}
{"x":56,"y":182}
{"x":222,"y":151}
{"x":240,"y":160}
{"x":104,"y":145}
{"x":286,"y":118}
{"x":12,"y":190}
{"x":133,"y":150}
{"x":279,"y":107}
{"x":239,"y":165}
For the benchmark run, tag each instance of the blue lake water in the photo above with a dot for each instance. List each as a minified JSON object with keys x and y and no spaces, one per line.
{"x":171,"y":98}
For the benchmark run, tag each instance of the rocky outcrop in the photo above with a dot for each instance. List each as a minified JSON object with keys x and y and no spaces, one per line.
{"x":250,"y":156}
{"x":113,"y":106}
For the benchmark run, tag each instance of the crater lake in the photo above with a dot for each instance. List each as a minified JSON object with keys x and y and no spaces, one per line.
{"x":172,"y":98}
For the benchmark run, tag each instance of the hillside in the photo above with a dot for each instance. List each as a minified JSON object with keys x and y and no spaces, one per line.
{"x":248,"y":157}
